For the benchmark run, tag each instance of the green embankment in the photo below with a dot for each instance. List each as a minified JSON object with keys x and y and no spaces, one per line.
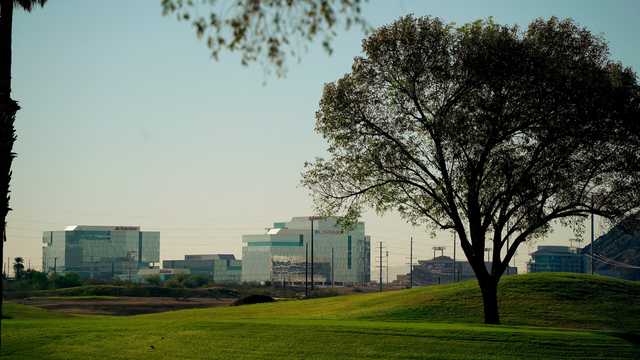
{"x":429,"y":322}
{"x":553,"y":300}
{"x":138,"y":291}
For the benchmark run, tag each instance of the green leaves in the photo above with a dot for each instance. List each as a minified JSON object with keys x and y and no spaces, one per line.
{"x":266,"y":31}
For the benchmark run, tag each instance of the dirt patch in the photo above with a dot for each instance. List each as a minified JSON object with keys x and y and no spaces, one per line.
{"x":122,"y":305}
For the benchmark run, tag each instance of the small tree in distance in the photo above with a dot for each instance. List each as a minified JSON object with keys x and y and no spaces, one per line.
{"x":18,"y":267}
{"x":486,"y":130}
{"x":154,"y":280}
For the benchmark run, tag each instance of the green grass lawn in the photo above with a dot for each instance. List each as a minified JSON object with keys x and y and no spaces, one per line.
{"x":83,"y":298}
{"x":546,"y":316}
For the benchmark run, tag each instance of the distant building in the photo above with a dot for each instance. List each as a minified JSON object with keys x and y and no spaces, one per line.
{"x":163,"y":274}
{"x":558,"y":259}
{"x":100,"y":252}
{"x":280,"y":255}
{"x":617,"y":253}
{"x":223,"y":268}
{"x":440,"y":270}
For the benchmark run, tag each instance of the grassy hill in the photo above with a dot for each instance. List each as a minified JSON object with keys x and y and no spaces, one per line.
{"x":430,"y":322}
{"x":542,"y":299}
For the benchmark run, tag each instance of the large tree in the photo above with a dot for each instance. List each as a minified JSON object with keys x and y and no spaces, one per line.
{"x":490,"y":131}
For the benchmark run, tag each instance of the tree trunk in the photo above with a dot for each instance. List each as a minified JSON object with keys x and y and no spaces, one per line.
{"x":489,"y":290}
{"x":8,"y":109}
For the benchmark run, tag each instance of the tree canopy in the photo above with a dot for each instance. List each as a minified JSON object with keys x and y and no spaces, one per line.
{"x":489,"y":130}
{"x":266,"y":31}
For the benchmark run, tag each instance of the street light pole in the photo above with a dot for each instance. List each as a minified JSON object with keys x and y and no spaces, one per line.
{"x":592,"y":236}
{"x":311,"y":218}
{"x":454,"y":257}
{"x":332,"y":282}
{"x":312,"y":284}
{"x":411,"y":264}
{"x":306,"y":270}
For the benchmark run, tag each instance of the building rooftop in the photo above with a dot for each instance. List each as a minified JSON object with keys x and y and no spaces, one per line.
{"x":100,"y":227}
{"x":555,"y":250}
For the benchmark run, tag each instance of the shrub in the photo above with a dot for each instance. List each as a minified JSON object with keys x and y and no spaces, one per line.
{"x":253,"y":299}
{"x":66,"y":280}
{"x":153,"y":280}
{"x":195,"y":281}
{"x":173,"y":283}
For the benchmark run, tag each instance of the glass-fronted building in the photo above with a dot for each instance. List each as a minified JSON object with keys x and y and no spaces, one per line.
{"x":557,"y":259}
{"x":443,"y":270}
{"x":283,"y":253}
{"x":222,"y":268}
{"x":100,"y":252}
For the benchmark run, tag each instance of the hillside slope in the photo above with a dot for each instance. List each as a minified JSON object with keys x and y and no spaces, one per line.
{"x":543,"y":299}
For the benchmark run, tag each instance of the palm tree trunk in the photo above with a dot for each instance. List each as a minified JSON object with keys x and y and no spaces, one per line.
{"x":6,"y":20}
{"x":8,"y":109}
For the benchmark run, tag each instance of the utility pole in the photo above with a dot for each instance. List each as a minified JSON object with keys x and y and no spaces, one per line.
{"x":312,"y":254}
{"x":591,"y":248}
{"x":438,"y":248}
{"x":411,"y":264}
{"x":454,"y":256}
{"x":508,"y":236}
{"x":306,"y":270}
{"x":380,"y":265}
{"x":55,"y":265}
{"x":130,"y":257}
{"x":455,"y":264}
{"x":488,"y":251}
{"x":441,"y":249}
{"x":387,"y":268}
{"x":332,"y":266}
{"x":364,"y":263}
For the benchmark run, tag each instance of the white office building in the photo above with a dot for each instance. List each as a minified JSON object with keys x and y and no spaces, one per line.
{"x":101,"y":252}
{"x":280,"y":254}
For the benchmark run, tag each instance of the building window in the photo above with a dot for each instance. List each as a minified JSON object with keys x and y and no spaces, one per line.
{"x":301,"y":243}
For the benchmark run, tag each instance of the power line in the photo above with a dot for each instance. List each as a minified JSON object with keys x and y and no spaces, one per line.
{"x":612,"y":262}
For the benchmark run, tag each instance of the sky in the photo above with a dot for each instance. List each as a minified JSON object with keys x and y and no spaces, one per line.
{"x":126,"y":120}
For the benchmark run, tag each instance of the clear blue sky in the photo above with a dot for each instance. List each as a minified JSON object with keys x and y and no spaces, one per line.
{"x":127,"y":120}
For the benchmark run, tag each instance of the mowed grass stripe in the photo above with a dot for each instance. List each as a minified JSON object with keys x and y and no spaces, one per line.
{"x":125,"y":338}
